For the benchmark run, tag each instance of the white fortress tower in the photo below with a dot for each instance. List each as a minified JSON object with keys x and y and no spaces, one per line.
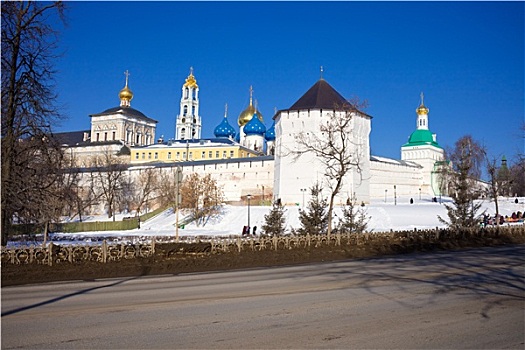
{"x":422,"y":148}
{"x":188,"y":125}
{"x":292,"y":178}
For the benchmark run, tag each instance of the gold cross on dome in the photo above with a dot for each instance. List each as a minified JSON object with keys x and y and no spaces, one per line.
{"x":127,"y":74}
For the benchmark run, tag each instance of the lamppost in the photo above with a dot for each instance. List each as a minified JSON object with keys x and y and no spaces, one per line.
{"x":420,"y":193}
{"x":395,"y":195}
{"x":303,"y":190}
{"x":178,"y":180}
{"x":385,"y":194}
{"x":249,"y":197}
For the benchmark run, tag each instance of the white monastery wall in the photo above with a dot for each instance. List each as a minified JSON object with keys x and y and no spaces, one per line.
{"x":386,"y":173}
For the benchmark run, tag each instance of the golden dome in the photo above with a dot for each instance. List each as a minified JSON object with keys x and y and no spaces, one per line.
{"x":422,"y":110}
{"x":125,"y":94}
{"x":248,"y":113}
{"x":190,"y":80}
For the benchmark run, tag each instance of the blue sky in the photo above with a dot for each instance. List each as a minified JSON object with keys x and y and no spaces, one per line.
{"x":467,"y":58}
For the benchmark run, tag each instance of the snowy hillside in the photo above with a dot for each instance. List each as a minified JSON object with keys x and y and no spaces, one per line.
{"x":383,"y":217}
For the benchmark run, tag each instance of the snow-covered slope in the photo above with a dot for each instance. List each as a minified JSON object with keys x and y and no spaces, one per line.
{"x":383,"y":217}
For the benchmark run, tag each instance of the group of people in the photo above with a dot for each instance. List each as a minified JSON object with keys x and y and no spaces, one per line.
{"x":246,"y":231}
{"x":515,"y":217}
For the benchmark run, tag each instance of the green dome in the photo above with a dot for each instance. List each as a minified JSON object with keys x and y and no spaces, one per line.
{"x":420,"y":138}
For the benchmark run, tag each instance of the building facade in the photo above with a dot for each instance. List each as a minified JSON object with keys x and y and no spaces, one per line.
{"x":123,"y":123}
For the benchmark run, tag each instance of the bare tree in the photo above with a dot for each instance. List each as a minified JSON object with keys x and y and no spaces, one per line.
{"x":145,"y":187}
{"x":40,"y":190}
{"x":109,"y":177}
{"x":335,"y":148}
{"x":497,"y":183}
{"x":202,"y":197}
{"x":169,"y":187}
{"x":517,"y":177}
{"x":28,"y":104}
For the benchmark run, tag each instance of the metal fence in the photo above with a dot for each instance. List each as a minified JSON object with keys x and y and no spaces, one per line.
{"x":104,"y":252}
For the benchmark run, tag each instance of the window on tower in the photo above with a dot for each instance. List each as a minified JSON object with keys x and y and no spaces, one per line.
{"x":185,"y":111}
{"x":186,"y":91}
{"x":193,"y":112}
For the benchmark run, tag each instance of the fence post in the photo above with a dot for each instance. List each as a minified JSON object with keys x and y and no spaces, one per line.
{"x":50,"y":253}
{"x":239,"y":243}
{"x":153,"y":246}
{"x":104,"y":251}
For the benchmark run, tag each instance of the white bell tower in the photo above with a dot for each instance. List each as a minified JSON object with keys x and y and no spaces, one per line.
{"x":188,"y":125}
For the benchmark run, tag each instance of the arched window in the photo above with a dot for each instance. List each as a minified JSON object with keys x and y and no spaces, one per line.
{"x":193,"y":112}
{"x":186,"y":91}
{"x":183,"y":133}
{"x":185,"y":110}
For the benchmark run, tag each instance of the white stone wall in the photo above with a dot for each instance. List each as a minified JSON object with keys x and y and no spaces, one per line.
{"x":293,"y":175}
{"x":387,"y":173}
{"x":237,"y":179}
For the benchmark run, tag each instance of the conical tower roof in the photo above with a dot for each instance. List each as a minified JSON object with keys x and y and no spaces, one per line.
{"x":320,"y":96}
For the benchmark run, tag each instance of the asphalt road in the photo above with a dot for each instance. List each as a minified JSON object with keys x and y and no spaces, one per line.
{"x":448,"y":300}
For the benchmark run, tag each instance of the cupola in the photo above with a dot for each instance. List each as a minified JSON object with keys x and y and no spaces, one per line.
{"x":254,"y":127}
{"x":224,"y":129}
{"x":269,"y":135}
{"x":125,"y":95}
{"x":249,"y":112}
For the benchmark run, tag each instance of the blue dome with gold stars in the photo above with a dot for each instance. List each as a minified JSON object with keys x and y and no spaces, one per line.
{"x":224,"y":129}
{"x":254,"y":127}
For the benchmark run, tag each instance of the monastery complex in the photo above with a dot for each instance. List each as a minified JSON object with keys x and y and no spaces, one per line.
{"x":257,"y":160}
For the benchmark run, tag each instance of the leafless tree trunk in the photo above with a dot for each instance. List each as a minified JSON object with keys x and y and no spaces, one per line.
{"x":109,"y":177}
{"x":494,"y":185}
{"x":28,"y":106}
{"x":146,"y":185}
{"x":335,"y":148}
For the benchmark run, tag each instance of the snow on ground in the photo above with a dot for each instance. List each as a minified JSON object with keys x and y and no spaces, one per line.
{"x":423,"y":214}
